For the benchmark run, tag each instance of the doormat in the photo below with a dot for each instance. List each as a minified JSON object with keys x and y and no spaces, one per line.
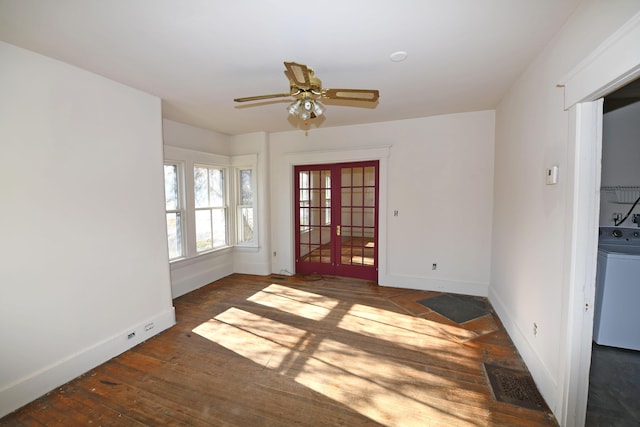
{"x":459,"y":308}
{"x":514,"y":387}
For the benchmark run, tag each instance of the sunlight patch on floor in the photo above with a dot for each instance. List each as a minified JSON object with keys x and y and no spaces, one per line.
{"x":378,"y":386}
{"x":305,"y":304}
{"x":366,"y":318}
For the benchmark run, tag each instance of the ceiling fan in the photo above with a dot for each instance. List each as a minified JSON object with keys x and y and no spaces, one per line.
{"x":307,"y":89}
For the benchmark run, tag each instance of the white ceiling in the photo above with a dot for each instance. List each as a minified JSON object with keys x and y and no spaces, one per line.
{"x":197,"y":55}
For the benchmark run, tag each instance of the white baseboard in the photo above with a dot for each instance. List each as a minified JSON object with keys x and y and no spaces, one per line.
{"x":197,"y":275}
{"x":257,"y":269}
{"x":546,"y":383}
{"x":27,"y":389}
{"x":429,"y":284}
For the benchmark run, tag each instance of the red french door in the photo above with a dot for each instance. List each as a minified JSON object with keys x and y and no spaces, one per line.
{"x":336,"y":219}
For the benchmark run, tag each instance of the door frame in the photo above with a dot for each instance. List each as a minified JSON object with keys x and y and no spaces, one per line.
{"x":380,"y":153}
{"x":335,"y":266}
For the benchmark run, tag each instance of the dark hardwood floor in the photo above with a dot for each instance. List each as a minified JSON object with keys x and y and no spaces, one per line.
{"x":292,"y":351}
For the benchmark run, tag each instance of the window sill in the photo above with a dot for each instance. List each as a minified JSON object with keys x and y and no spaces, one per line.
{"x":183,"y":262}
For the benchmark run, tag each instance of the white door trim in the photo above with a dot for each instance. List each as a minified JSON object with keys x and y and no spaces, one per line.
{"x":582,"y":233}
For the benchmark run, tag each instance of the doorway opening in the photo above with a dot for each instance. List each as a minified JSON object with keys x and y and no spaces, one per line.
{"x":336,"y":219}
{"x":614,"y":377}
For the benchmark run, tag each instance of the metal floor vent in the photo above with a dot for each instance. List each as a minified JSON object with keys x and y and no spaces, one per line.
{"x":514,"y":387}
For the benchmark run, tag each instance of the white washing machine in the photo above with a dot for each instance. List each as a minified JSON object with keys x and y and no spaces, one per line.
{"x":617,"y":304}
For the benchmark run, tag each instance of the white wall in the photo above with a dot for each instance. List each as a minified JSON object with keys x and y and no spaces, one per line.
{"x":83,"y":260}
{"x":620,"y":162}
{"x":530,"y":218}
{"x":436,"y":171}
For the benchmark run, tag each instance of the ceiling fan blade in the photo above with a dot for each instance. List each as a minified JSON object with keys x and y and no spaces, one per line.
{"x":298,"y":74}
{"x":259,"y":97}
{"x":370,"y":95}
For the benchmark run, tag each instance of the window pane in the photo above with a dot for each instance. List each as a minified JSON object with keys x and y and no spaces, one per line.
{"x":246,"y":190}
{"x":171,"y":186}
{"x":219,"y":220}
{"x":246,"y":225}
{"x":201,"y":187}
{"x":174,"y":235}
{"x":216,"y":186}
{"x":204,"y":238}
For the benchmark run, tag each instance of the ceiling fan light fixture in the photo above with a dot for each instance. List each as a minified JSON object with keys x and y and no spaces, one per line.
{"x":306,"y":108}
{"x":308,"y":104}
{"x":294,"y":108}
{"x":318,"y":108}
{"x":304,"y":115}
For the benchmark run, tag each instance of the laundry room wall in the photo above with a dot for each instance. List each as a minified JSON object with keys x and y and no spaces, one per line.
{"x":620,"y":160}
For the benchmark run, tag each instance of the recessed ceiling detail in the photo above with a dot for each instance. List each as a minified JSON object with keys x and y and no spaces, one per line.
{"x":398,"y":56}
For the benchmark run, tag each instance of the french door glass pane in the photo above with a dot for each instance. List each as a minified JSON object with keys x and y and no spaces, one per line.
{"x":370,"y":176}
{"x":356,"y":197}
{"x":357,"y":177}
{"x":315,"y":198}
{"x":369,"y":197}
{"x":369,"y":217}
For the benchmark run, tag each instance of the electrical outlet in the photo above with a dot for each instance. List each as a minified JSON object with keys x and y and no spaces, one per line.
{"x":131,"y":335}
{"x":535,"y":329}
{"x":434,"y":266}
{"x":148,"y":327}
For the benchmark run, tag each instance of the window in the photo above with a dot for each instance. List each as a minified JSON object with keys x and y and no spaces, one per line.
{"x":210,"y":208}
{"x":245,"y":207}
{"x":211,"y":203}
{"x":173,"y":206}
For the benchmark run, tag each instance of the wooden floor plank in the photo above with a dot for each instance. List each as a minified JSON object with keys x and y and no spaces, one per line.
{"x":285,"y":351}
